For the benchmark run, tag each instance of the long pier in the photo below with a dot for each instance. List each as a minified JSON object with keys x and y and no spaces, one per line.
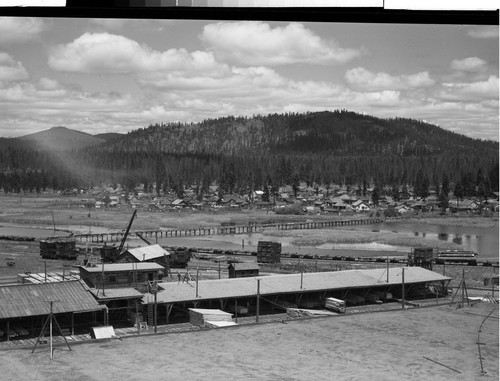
{"x":222,"y":230}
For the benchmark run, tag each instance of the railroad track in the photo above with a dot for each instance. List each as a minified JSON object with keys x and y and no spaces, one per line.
{"x":200,"y":253}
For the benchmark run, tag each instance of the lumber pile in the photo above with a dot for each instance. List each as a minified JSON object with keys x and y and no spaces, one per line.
{"x":209,"y":318}
{"x":302,"y":313}
{"x":334,"y":304}
{"x":268,"y":252}
{"x":58,"y":249}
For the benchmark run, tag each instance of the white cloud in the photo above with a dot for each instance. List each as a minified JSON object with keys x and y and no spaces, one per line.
{"x":466,"y":92}
{"x":10,"y":69}
{"x":362,"y":79}
{"x":470,"y":64}
{"x":255,"y":43}
{"x":484,"y":32}
{"x":113,"y":54}
{"x":19,"y":29}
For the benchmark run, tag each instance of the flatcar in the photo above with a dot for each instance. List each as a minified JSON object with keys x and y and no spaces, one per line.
{"x":457,"y":257}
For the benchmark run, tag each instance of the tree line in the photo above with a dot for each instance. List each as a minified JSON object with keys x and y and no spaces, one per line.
{"x":245,"y":154}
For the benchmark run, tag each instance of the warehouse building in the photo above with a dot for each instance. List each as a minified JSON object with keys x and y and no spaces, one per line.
{"x":308,"y":290}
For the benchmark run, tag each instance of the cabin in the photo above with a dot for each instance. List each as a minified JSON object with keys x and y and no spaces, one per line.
{"x":360,"y":206}
{"x":120,"y":274}
{"x":242,"y":270}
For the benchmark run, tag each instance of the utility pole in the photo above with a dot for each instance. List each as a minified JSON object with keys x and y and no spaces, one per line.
{"x":258,"y":301}
{"x":197,"y":276}
{"x":387,"y":268}
{"x":403,"y":288}
{"x":49,"y":320}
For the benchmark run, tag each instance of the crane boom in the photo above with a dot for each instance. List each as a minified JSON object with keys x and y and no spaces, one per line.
{"x":122,"y":243}
{"x":144,"y":239}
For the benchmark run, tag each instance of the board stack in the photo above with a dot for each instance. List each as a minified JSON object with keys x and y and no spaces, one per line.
{"x":209,"y":317}
{"x":268,"y":252}
{"x":334,"y":304}
{"x":58,"y":249}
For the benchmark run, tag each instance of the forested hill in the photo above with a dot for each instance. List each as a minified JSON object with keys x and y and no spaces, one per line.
{"x":339,"y":133}
{"x":241,"y":154}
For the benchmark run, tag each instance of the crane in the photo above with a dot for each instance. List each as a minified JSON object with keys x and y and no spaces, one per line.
{"x":110,"y":253}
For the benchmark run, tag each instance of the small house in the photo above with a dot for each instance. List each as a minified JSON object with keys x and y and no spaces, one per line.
{"x":120,"y":274}
{"x":360,"y":206}
{"x":242,"y":270}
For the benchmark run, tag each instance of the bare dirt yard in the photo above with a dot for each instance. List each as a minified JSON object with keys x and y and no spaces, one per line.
{"x":436,"y":343}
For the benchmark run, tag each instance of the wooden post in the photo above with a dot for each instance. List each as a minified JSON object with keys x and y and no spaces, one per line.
{"x":156,"y":312}
{"x":387,"y":267}
{"x":463,"y":287}
{"x":102,"y":275}
{"x":197,"y":276}
{"x":403,"y":288}
{"x":50,"y":325}
{"x":258,"y":302}
{"x":137,"y":317}
{"x":236,"y":310}
{"x":301,"y":277}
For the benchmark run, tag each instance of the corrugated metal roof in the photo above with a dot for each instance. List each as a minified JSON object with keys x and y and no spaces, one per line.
{"x":32,"y":299}
{"x":146,"y":253}
{"x":277,"y":284}
{"x":115,"y":267}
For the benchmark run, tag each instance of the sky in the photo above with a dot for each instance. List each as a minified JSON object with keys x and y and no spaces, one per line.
{"x":112,"y":75}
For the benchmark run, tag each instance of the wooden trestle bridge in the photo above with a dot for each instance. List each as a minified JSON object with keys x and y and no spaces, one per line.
{"x":221,"y":230}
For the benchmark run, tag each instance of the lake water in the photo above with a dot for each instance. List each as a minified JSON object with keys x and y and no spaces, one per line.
{"x":483,"y":241}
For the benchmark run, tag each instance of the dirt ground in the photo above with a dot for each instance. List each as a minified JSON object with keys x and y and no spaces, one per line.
{"x":436,"y":343}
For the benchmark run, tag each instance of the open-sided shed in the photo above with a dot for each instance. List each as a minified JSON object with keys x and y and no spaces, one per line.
{"x":306,"y":290}
{"x":24,"y":307}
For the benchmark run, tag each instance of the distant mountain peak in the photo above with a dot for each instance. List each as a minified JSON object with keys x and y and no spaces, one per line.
{"x":59,"y":137}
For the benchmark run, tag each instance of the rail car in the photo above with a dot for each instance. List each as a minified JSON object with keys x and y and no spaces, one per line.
{"x":456,"y":256}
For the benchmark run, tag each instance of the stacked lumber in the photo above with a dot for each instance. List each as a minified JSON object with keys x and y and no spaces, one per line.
{"x":302,"y":313}
{"x":268,"y":252}
{"x":334,"y":304}
{"x":58,"y":249}
{"x":201,"y":317}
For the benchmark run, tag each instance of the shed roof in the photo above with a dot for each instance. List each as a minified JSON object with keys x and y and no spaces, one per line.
{"x":291,"y":283}
{"x":146,"y":253}
{"x":116,"y":293}
{"x":33,"y":299}
{"x":244,"y":266}
{"x":119,"y":267}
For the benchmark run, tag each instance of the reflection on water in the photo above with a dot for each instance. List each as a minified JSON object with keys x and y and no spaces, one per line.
{"x":484,"y":241}
{"x":443,"y":236}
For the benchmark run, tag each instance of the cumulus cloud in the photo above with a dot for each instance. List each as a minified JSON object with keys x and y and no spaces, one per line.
{"x":113,"y":54}
{"x":10,"y":69}
{"x":360,"y":78}
{"x":470,"y":64}
{"x":255,"y":43}
{"x":484,"y":32}
{"x":480,"y":90}
{"x":19,"y":29}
